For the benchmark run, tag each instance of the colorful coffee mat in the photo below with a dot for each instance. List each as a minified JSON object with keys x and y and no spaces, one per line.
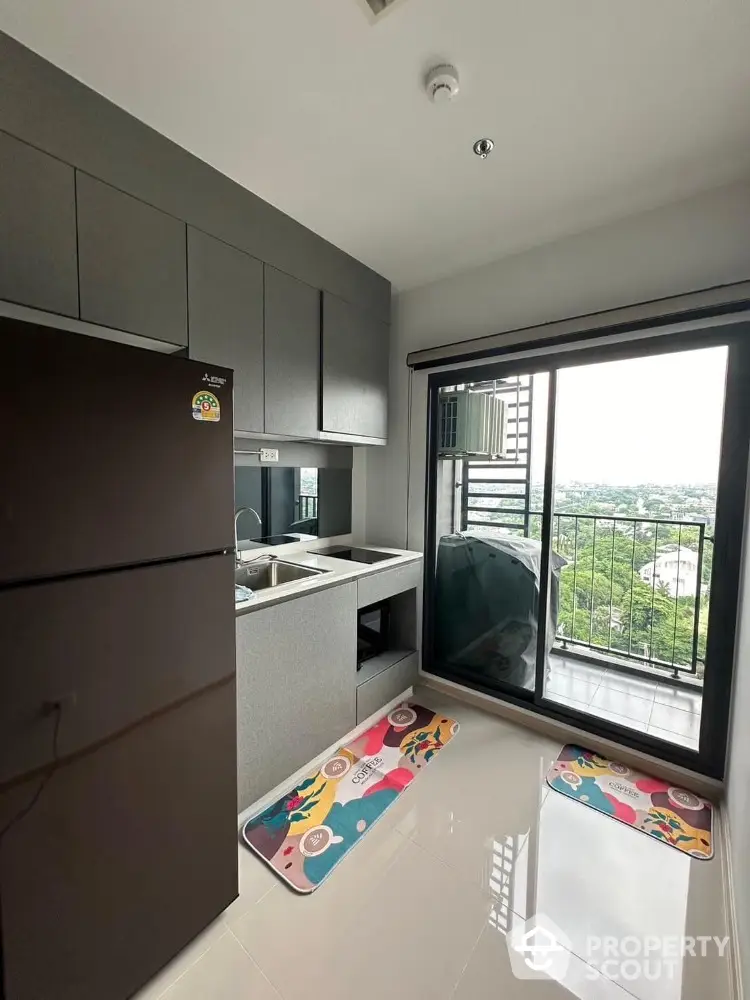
{"x":672,"y":815}
{"x":305,"y":834}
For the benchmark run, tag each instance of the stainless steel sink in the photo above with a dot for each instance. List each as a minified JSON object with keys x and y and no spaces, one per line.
{"x":267,"y":573}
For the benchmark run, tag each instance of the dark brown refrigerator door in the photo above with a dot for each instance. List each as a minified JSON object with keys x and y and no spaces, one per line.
{"x":109,"y":455}
{"x":124,"y":644}
{"x":129,"y":853}
{"x":131,"y":849}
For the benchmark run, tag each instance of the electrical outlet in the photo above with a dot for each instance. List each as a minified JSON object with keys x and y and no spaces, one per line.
{"x":65,"y":703}
{"x":269,"y":454}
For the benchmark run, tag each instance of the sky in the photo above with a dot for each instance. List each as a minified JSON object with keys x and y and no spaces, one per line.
{"x":648,"y":420}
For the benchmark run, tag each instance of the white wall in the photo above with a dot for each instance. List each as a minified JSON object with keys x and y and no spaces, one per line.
{"x":691,"y":245}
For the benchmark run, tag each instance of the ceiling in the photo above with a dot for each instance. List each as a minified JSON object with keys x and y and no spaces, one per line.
{"x":598,"y":109}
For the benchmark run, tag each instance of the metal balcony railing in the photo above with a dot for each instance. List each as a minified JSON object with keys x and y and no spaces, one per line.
{"x":633,"y":588}
{"x":308,"y":506}
{"x":656,"y":619}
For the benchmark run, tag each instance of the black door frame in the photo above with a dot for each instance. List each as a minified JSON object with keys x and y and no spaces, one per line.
{"x":710,"y":759}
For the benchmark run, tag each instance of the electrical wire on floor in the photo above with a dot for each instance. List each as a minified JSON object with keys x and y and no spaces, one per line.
{"x":55,"y":708}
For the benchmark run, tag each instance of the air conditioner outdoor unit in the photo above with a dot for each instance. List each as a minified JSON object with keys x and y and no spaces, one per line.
{"x":472,"y":424}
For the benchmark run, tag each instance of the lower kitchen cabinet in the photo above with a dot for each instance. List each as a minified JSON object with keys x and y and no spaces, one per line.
{"x":376,"y":692}
{"x":296,"y":685}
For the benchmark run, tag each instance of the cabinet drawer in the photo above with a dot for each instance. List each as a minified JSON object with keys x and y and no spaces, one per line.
{"x":375,"y":693}
{"x":377,"y":587}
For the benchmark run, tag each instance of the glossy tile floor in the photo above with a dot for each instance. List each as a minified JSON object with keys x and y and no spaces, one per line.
{"x":421,"y":907}
{"x":668,"y":712}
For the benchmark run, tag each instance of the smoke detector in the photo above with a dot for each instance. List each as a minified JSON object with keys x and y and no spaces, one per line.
{"x":441,"y":84}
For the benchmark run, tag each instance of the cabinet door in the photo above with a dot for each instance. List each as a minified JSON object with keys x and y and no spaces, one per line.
{"x":38,"y":263}
{"x":296,"y":685}
{"x":225,"y":295}
{"x":355,"y":370}
{"x":131,"y":264}
{"x":292,"y":355}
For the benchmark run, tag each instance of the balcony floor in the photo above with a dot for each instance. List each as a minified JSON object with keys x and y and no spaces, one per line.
{"x":656,"y":707}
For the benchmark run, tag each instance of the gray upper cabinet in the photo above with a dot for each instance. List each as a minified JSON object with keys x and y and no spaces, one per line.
{"x":131,"y":260}
{"x":292,"y":355}
{"x":225,"y":295}
{"x":355,"y":370}
{"x":126,"y":281}
{"x":38,"y":264}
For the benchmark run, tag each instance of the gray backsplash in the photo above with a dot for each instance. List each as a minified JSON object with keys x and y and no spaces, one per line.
{"x":308,"y":492}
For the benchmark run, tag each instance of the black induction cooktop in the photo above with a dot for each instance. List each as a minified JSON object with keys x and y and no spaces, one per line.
{"x":353,"y":554}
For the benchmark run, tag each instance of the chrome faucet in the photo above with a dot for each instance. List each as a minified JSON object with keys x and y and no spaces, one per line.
{"x":238,"y":512}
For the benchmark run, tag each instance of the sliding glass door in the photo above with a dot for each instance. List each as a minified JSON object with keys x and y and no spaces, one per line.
{"x":633,"y":516}
{"x":584,"y":527}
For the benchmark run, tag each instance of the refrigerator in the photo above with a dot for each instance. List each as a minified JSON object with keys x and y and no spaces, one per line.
{"x":117,"y":661}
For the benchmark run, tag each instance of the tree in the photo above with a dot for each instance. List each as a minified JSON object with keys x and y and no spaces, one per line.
{"x":604,"y":601}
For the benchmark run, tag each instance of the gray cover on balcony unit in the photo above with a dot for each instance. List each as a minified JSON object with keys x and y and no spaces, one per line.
{"x":486,"y":609}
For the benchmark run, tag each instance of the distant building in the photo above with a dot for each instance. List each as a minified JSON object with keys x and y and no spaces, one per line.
{"x":676,"y":570}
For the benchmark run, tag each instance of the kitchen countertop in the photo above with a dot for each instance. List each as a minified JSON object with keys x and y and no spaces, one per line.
{"x":337,"y":570}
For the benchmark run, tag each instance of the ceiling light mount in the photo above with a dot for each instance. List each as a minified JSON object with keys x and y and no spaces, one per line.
{"x":483,"y":148}
{"x":441,"y":84}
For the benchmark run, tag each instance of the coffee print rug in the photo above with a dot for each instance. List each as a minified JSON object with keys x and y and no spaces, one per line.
{"x":305,"y":834}
{"x":672,"y":815}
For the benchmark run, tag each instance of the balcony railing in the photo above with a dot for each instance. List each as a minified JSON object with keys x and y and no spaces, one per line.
{"x":632,"y":588}
{"x":308,"y":506}
{"x":656,"y":618}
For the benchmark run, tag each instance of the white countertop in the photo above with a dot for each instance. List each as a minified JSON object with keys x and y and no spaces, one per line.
{"x":336,"y":570}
